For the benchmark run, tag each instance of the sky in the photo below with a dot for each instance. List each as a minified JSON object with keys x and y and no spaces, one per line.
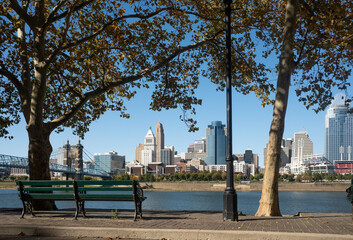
{"x":251,"y":125}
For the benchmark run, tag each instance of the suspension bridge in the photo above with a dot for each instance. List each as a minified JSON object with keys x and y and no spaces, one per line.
{"x":8,"y":161}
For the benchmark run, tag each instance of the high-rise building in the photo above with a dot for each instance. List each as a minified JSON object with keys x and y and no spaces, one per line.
{"x":138,"y":152}
{"x":148,"y":154}
{"x":166,"y":157}
{"x":216,"y":143}
{"x":199,"y":146}
{"x":159,"y":141}
{"x":302,"y":150}
{"x":109,"y":161}
{"x":251,"y":158}
{"x":339,"y":130}
{"x":172,"y":152}
{"x":302,"y":145}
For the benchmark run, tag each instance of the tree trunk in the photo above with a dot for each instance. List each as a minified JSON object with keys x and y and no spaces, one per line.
{"x":39,"y":151}
{"x":269,"y":202}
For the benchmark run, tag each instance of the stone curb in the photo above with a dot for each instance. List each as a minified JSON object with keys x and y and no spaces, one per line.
{"x":172,"y":234}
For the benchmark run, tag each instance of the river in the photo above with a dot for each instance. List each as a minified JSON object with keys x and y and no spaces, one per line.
{"x":248,"y":202}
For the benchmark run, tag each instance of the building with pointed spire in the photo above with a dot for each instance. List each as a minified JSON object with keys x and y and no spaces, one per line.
{"x":148,"y":154}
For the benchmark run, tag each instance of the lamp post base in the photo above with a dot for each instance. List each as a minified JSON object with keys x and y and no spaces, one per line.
{"x":230,"y":208}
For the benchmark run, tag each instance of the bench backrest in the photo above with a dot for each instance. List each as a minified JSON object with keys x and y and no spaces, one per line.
{"x":71,"y":189}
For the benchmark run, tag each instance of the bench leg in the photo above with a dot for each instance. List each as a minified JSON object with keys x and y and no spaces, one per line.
{"x":140,"y":209}
{"x":23,"y":209}
{"x":82,"y":208}
{"x":30,"y":207}
{"x":77,"y":209}
{"x":27,"y":208}
{"x":136,"y":210}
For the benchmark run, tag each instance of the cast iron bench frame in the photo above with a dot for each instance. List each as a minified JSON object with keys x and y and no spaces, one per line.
{"x":80,"y":191}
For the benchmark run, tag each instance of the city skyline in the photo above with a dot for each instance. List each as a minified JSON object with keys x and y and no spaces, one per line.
{"x":251,"y":125}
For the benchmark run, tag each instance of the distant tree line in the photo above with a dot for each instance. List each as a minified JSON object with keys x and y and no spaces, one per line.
{"x":187,"y":176}
{"x":318,"y":177}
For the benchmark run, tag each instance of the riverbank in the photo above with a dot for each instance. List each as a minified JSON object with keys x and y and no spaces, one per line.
{"x":220,"y":186}
{"x":252,"y":187}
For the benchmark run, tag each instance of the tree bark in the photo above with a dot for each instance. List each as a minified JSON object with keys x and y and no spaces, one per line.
{"x":39,"y":151}
{"x":269,"y":202}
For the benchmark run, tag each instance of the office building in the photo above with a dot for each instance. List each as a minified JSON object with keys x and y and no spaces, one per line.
{"x":171,"y":148}
{"x":166,"y":156}
{"x":138,"y":152}
{"x":159,"y":141}
{"x":109,"y":162}
{"x":302,"y":150}
{"x":216,"y":143}
{"x":339,"y":130}
{"x":199,"y":146}
{"x":148,"y":154}
{"x":251,"y":158}
{"x":302,"y":145}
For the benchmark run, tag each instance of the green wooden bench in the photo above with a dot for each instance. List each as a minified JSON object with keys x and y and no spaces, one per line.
{"x":80,"y":191}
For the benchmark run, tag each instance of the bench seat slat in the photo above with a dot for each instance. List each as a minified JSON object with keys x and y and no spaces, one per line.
{"x":104,"y":189}
{"x":103,"y":183}
{"x":106,"y":197}
{"x":45,"y":189}
{"x":46,"y":182}
{"x":51,"y":196}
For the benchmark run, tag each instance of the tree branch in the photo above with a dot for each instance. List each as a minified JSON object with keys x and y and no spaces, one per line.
{"x":123,"y":80}
{"x":12,"y":77}
{"x":23,"y":14}
{"x":302,"y":48}
{"x":55,"y":10}
{"x":99,"y":31}
{"x":51,"y":17}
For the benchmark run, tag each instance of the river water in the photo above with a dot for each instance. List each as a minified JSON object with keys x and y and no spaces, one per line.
{"x":248,"y":202}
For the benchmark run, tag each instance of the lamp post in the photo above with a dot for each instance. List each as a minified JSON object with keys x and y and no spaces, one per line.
{"x":230,"y":208}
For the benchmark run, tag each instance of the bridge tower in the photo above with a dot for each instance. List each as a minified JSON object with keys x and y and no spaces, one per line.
{"x":67,"y":160}
{"x":79,"y":161}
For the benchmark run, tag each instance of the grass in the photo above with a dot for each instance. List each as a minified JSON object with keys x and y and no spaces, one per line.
{"x":7,"y":185}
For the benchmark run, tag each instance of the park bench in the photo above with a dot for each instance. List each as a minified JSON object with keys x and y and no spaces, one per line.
{"x":80,"y":191}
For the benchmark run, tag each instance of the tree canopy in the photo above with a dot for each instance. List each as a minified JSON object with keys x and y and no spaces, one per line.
{"x":93,"y":55}
{"x":322,"y":49}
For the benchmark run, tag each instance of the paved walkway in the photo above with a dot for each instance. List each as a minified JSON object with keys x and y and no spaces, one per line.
{"x":173,"y":225}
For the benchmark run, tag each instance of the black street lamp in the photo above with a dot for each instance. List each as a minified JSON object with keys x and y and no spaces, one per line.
{"x":230,"y":208}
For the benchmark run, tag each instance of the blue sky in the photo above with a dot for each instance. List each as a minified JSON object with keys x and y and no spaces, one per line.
{"x":251,"y":125}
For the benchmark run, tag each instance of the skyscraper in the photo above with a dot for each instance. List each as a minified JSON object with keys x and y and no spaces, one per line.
{"x":148,"y":154}
{"x":159,"y":141}
{"x":109,"y":161}
{"x":302,"y":145}
{"x":286,"y":152}
{"x":216,"y":143}
{"x":199,"y":146}
{"x":339,"y":130}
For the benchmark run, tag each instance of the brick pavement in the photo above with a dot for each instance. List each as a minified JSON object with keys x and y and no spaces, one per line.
{"x":339,"y":224}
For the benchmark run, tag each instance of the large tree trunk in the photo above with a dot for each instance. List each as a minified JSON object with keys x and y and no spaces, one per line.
{"x":269,"y":202}
{"x":39,"y":151}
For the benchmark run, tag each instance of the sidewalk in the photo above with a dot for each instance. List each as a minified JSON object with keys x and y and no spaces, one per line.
{"x":173,"y":225}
